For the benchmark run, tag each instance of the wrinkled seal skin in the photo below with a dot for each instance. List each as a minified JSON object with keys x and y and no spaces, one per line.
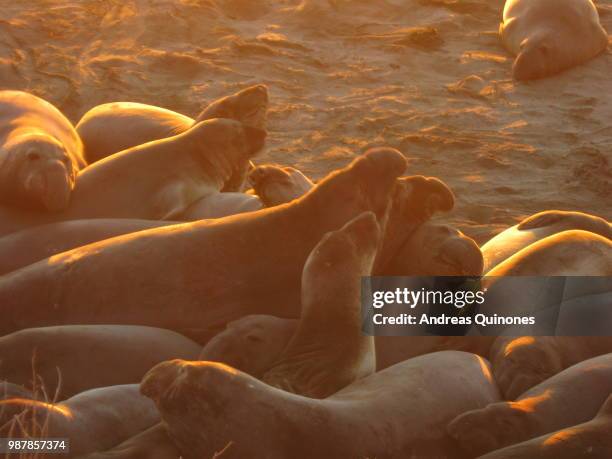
{"x":569,"y":398}
{"x":203,"y":286}
{"x":590,"y":440}
{"x":89,"y":356}
{"x":329,"y":334}
{"x":549,"y":36}
{"x":95,"y":420}
{"x":538,"y":227}
{"x":133,"y":124}
{"x":396,"y":413}
{"x":158,"y":180}
{"x":26,"y":247}
{"x":40,"y":153}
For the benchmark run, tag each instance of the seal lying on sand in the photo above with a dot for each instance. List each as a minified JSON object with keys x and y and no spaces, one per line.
{"x":40,"y":153}
{"x":537,"y":227}
{"x":399,"y":412}
{"x":277,"y":185}
{"x":569,"y":398}
{"x":34,"y":244}
{"x":589,"y":440}
{"x":203,"y":286}
{"x":160,"y":180}
{"x":549,"y":36}
{"x":134,"y":124}
{"x":329,"y":333}
{"x":89,"y":356}
{"x":95,"y":420}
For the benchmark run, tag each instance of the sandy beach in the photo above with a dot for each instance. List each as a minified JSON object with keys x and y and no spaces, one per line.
{"x":428,"y":77}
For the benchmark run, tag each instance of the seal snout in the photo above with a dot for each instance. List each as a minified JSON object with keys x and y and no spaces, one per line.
{"x":381,"y":162}
{"x":159,"y":379}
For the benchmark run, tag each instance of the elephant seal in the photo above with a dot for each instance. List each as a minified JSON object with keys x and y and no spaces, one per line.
{"x":277,"y":185}
{"x":89,"y":356}
{"x":192,"y":297}
{"x":134,"y":124}
{"x":567,"y":399}
{"x":153,"y":443}
{"x":95,"y":420}
{"x":34,"y":244}
{"x":537,"y":227}
{"x":568,"y":253}
{"x":40,"y":153}
{"x":588,"y":440}
{"x":329,"y":333}
{"x":398,"y":412}
{"x":251,"y":344}
{"x":161,"y":179}
{"x":166,"y":176}
{"x":549,"y":36}
{"x":520,"y":363}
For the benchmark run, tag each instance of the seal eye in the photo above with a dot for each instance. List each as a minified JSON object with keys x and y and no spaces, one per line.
{"x":33,"y":156}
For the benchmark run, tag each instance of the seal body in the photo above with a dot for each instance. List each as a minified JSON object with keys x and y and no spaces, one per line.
{"x":569,"y":398}
{"x":94,"y":420}
{"x":40,"y":153}
{"x":161,"y":179}
{"x":34,"y":244}
{"x":399,"y":412}
{"x":88,"y":356}
{"x":204,"y":285}
{"x":134,"y":124}
{"x":537,"y":227}
{"x":591,"y":439}
{"x":329,"y":333}
{"x":549,"y":36}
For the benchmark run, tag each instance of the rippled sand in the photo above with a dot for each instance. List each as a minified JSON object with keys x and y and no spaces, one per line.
{"x":426,"y":76}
